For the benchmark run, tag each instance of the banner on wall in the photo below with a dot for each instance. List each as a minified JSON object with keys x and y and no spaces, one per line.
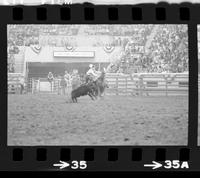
{"x":74,"y":54}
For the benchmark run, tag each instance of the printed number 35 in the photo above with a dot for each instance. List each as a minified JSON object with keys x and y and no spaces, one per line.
{"x":79,"y":164}
{"x":172,"y":164}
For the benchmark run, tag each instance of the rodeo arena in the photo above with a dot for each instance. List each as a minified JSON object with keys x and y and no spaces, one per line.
{"x":97,"y":84}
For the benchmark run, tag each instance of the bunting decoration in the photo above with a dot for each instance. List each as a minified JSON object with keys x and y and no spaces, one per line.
{"x":69,"y":47}
{"x":36,"y":48}
{"x":109,"y":48}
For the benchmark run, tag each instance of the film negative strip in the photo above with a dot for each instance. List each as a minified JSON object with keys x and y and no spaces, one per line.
{"x":99,"y":88}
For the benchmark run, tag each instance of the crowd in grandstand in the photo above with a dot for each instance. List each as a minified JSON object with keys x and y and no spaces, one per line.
{"x":11,"y":67}
{"x":121,"y":33}
{"x":170,"y":48}
{"x":31,"y":34}
{"x":11,"y":63}
{"x":167,"y":52}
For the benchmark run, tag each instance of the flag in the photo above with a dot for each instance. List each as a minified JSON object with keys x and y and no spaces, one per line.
{"x":36,"y":48}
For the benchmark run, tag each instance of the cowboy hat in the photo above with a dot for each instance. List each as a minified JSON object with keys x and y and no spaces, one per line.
{"x":91,"y":65}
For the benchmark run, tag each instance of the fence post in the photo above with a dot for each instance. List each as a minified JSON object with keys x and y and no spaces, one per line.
{"x":117,"y":91}
{"x":51,"y":85}
{"x":28,"y":85}
{"x":39,"y":84}
{"x":132,"y":82}
{"x":126,"y":86}
{"x":166,"y":85}
{"x":33,"y":85}
{"x":54,"y":85}
{"x":58,"y":86}
{"x":141,"y":85}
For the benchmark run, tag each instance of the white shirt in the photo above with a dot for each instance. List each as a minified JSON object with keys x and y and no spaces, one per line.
{"x":92,"y":72}
{"x":21,"y":81}
{"x":67,"y":77}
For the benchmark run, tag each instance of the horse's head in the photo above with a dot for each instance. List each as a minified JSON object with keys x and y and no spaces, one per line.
{"x":102,"y":76}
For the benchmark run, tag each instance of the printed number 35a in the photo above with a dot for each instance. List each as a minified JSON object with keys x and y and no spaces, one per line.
{"x":176,"y":164}
{"x":79,"y":164}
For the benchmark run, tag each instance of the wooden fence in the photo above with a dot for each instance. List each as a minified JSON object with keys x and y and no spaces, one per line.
{"x":42,"y":85}
{"x":148,"y":84}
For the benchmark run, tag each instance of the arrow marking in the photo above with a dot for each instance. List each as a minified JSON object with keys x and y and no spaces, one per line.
{"x":62,"y":165}
{"x":155,"y":165}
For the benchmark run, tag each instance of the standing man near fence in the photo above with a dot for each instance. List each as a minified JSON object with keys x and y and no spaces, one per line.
{"x":76,"y":82}
{"x":50,"y":79}
{"x":135,"y":91}
{"x":68,"y":87}
{"x":63,"y":85}
{"x":67,"y":78}
{"x":21,"y":82}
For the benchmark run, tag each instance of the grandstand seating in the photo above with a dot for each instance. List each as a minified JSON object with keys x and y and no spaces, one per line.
{"x":167,"y":44}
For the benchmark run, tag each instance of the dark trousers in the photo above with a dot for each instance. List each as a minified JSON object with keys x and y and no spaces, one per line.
{"x":21,"y":88}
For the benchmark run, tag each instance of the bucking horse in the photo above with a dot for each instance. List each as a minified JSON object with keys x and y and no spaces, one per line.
{"x":100,"y":84}
{"x":92,"y":88}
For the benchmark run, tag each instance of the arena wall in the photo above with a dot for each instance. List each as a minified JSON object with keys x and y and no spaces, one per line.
{"x":46,"y":55}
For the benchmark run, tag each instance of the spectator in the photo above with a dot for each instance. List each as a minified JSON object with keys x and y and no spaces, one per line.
{"x":50,"y":79}
{"x":168,"y":46}
{"x":76,"y":82}
{"x":67,"y":78}
{"x":22,"y":83}
{"x":63,"y":85}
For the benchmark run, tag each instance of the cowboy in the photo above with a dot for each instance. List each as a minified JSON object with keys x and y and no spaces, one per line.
{"x":67,"y":78}
{"x":92,"y":74}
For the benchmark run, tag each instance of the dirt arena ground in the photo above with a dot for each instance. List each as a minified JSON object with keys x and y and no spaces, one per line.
{"x":46,"y":119}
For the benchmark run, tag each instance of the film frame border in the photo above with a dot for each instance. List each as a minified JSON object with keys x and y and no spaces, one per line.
{"x":102,"y":158}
